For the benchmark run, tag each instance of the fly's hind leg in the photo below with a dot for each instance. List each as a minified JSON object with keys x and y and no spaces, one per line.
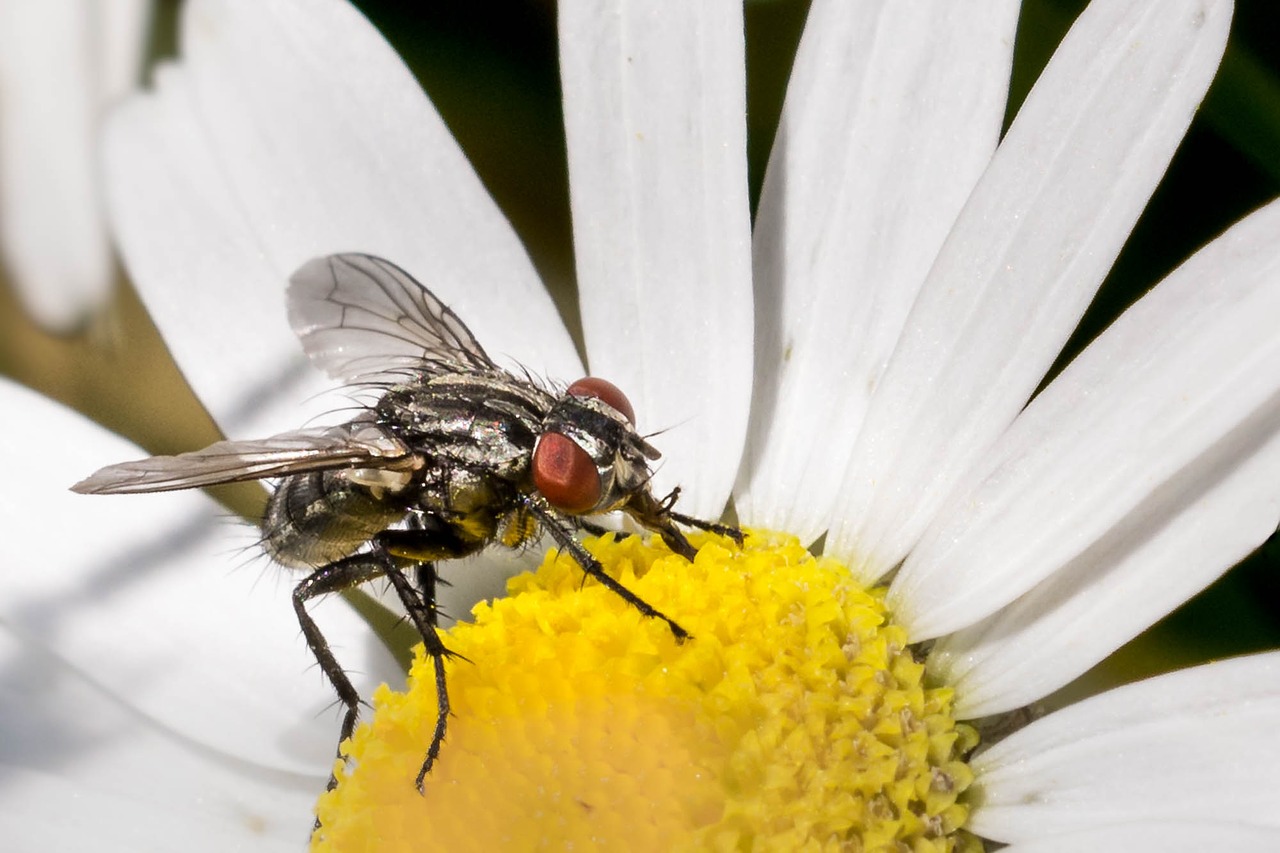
{"x":335,"y":577}
{"x":425,"y":577}
{"x":422,"y":611}
{"x":427,"y":540}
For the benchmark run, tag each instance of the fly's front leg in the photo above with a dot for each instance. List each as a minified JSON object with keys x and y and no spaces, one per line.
{"x":335,"y":577}
{"x":564,"y":538}
{"x":710,"y":526}
{"x":666,"y":507}
{"x":656,"y":516}
{"x":659,"y":517}
{"x":599,"y":529}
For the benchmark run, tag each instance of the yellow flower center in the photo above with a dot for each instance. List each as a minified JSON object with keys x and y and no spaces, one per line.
{"x":795,"y":718}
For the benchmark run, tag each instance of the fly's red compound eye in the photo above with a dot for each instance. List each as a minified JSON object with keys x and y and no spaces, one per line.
{"x":565,"y":474}
{"x":603,"y":389}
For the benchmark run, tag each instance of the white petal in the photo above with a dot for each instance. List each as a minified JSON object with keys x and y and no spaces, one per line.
{"x":199,"y":268}
{"x":656,"y":131}
{"x":1177,"y":836}
{"x":51,"y":228}
{"x":1156,"y":450}
{"x":1197,"y":745}
{"x":1118,"y":588}
{"x":122,"y":26}
{"x":330,"y":145}
{"x":1028,"y":251}
{"x":82,"y":771}
{"x":52,"y":814}
{"x":152,"y":597}
{"x":484,"y":576}
{"x":892,"y":113}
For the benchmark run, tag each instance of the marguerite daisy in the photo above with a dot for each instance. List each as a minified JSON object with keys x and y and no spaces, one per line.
{"x":910,"y":283}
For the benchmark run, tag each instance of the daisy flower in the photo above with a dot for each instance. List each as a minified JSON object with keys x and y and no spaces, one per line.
{"x":856,"y":364}
{"x":61,"y":65}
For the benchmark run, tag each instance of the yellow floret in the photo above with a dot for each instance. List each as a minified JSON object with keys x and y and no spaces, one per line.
{"x":795,"y":719}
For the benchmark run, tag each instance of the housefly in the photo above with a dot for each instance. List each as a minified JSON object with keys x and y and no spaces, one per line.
{"x":457,"y":453}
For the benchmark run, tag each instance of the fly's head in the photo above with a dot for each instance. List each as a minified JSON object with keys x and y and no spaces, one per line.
{"x":589,"y":458}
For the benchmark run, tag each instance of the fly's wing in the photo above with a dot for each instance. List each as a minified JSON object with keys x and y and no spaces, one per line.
{"x":362,"y":318}
{"x":349,"y":446}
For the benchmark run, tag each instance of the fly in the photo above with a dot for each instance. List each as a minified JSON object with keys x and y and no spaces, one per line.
{"x":456,"y":454}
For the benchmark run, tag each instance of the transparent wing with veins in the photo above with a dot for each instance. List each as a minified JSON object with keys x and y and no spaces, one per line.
{"x":349,"y":446}
{"x":363,"y":319}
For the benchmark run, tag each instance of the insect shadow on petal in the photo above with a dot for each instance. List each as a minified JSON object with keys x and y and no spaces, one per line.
{"x":456,"y":454}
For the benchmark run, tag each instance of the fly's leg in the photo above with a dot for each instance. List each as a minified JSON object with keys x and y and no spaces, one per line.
{"x":564,"y":538}
{"x":666,"y":507}
{"x":425,"y":579}
{"x":674,"y":539}
{"x":421,"y":611}
{"x":425,"y":576}
{"x":710,"y":526}
{"x":658,"y":516}
{"x":427,"y":541}
{"x":335,"y":577}
{"x":597,"y":530}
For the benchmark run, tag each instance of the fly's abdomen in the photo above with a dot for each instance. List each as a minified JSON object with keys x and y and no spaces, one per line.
{"x":315,"y":518}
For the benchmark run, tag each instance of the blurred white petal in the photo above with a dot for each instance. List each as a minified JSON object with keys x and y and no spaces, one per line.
{"x":164,"y":602}
{"x":199,"y":268}
{"x":329,"y":145}
{"x":1178,"y":836}
{"x":123,"y":27}
{"x":892,"y":113}
{"x":1156,"y":449}
{"x":484,"y":576}
{"x":656,"y":131}
{"x":1197,"y":745}
{"x":1028,"y":251}
{"x":55,"y":814}
{"x":61,"y":62}
{"x":290,"y":131}
{"x":80,"y":770}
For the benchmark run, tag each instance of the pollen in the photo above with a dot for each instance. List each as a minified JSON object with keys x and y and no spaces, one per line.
{"x":796,"y":718}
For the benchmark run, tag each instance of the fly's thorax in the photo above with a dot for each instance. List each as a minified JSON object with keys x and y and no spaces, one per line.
{"x":486,"y":422}
{"x":315,"y":518}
